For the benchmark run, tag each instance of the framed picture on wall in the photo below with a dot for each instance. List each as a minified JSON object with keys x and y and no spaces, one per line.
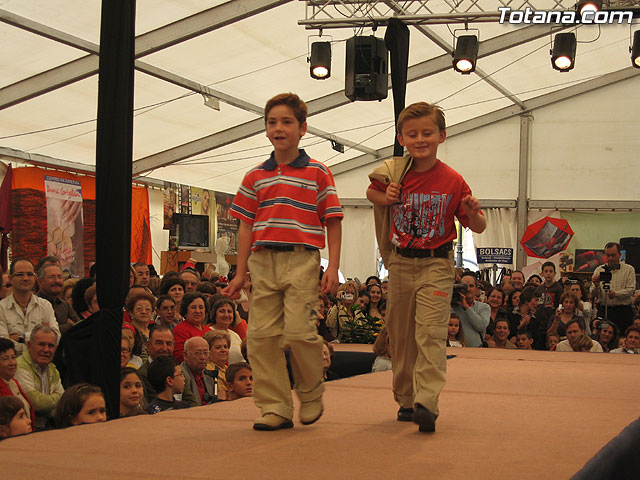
{"x":586,"y":260}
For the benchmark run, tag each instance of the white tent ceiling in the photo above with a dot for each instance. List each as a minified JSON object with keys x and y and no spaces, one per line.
{"x":243,"y":52}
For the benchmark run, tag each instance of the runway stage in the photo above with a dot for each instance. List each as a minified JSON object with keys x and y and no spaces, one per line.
{"x":504,"y":414}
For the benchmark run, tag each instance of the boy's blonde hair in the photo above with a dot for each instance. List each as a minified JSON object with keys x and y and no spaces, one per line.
{"x":291,"y":100}
{"x":422,"y":109}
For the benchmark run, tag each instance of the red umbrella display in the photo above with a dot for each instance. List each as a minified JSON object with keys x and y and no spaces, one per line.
{"x":546,"y":237}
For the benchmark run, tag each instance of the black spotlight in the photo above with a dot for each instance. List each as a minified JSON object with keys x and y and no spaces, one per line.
{"x":366,"y":69}
{"x":588,"y":5}
{"x":320,"y":60}
{"x":635,"y":49}
{"x":563,"y":55}
{"x":465,"y":54}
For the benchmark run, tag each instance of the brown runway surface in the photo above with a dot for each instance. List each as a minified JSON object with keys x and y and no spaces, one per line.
{"x":503,"y":414}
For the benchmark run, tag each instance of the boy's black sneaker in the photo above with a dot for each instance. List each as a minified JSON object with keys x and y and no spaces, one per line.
{"x":405,"y":414}
{"x":425,"y":419}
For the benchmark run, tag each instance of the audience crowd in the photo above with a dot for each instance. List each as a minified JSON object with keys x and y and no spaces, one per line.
{"x":183,"y":343}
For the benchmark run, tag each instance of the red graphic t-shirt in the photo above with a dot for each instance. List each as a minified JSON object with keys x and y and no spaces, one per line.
{"x":428,"y":202}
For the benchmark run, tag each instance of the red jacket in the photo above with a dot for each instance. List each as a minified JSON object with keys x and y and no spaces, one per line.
{"x":5,"y":391}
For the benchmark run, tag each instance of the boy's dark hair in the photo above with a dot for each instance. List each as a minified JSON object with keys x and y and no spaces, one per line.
{"x":9,"y":408}
{"x":535,"y":275}
{"x":164,"y":298}
{"x":72,"y":401}
{"x":577,"y":320}
{"x":233,"y":369}
{"x":528,"y":294}
{"x":526,"y":332}
{"x":422,"y":109}
{"x":160,"y":369}
{"x":549,"y":264}
{"x":291,"y":100}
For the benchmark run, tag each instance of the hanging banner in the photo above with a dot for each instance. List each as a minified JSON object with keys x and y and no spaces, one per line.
{"x":65,"y":238}
{"x":170,"y":202}
{"x":227,"y":225}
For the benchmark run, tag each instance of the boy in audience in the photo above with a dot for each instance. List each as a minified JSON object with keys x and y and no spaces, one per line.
{"x":524,"y":340}
{"x":239,"y":380}
{"x":575,"y":329}
{"x":550,"y":292}
{"x":166,"y":377}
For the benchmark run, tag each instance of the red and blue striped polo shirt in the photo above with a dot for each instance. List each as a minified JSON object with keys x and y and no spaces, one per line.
{"x":287,"y":204}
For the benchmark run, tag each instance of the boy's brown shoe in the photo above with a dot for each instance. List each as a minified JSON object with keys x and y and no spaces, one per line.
{"x":271,"y":421}
{"x":310,"y":412}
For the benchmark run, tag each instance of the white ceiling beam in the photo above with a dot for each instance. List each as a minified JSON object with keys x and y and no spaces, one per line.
{"x":333,"y":100}
{"x":502,"y":114}
{"x":147,"y":43}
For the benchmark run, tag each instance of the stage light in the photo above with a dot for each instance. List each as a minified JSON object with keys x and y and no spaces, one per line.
{"x":211,"y":102}
{"x":337,"y":146}
{"x":563,"y":54}
{"x":465,"y":54}
{"x":320,"y":60}
{"x":635,"y":49}
{"x":588,"y":5}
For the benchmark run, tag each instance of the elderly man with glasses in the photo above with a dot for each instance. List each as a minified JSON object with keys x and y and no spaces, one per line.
{"x":21,"y":311}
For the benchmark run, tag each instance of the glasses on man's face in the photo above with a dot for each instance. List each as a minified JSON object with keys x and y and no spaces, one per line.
{"x":24,"y":274}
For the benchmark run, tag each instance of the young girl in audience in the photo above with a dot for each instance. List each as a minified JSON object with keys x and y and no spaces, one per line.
{"x":131,"y":393}
{"x":13,"y":419}
{"x":81,"y":403}
{"x":456,"y":335}
{"x":382,"y":349}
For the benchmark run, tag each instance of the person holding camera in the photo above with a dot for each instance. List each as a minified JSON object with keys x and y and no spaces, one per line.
{"x":614,"y":284}
{"x":344,"y":310}
{"x":474,"y":316}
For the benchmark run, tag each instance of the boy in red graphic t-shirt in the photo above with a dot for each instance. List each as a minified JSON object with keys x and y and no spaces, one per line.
{"x":415,"y":200}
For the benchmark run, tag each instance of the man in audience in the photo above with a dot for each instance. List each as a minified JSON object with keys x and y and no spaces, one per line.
{"x":38,"y":377}
{"x":160,"y":344}
{"x":517,"y":279}
{"x":50,"y":282}
{"x":550,"y":292}
{"x":143,"y":275}
{"x":575,"y":328}
{"x":22,"y":310}
{"x":191,"y":280}
{"x":621,"y":287}
{"x":524,"y":340}
{"x":631,"y":341}
{"x":196,"y":356}
{"x":474,"y":316}
{"x":239,"y":380}
{"x":166,"y":311}
{"x":5,"y":286}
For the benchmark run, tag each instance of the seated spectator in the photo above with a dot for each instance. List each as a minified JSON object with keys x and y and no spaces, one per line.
{"x":168,"y":379}
{"x":196,"y":357}
{"x":91,"y":299}
{"x":552,"y":342}
{"x":9,"y":386}
{"x":343,"y":311}
{"x":474,"y":316}
{"x":608,"y":336}
{"x":79,"y":404}
{"x":131,"y":393}
{"x":513,"y":301}
{"x":517,"y":279}
{"x":455,"y":334}
{"x":584,"y":309}
{"x":166,"y":312}
{"x":524,"y":317}
{"x":125,"y":355}
{"x":500,"y":337}
{"x":77,"y":297}
{"x":631,"y":342}
{"x":377,"y":303}
{"x":140,"y":307}
{"x":566,"y":311}
{"x":194,"y":310}
{"x":5,"y":285}
{"x":363,"y":301}
{"x":208,"y":289}
{"x":219,"y":344}
{"x":372,"y":280}
{"x":13,"y":418}
{"x":142,"y":274}
{"x":382,"y":349}
{"x":67,"y":290}
{"x":21,"y":311}
{"x":223,"y":317}
{"x":574,"y":329}
{"x":135,"y":342}
{"x":581,"y":343}
{"x":191,"y":280}
{"x":327,"y":360}
{"x":38,"y":376}
{"x":174,"y":287}
{"x":239,"y":381}
{"x":495,"y":300}
{"x":524,"y":340}
{"x":50,"y":285}
{"x":535,"y":279}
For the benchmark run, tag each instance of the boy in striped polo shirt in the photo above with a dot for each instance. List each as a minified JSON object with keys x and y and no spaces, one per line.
{"x":284,"y":205}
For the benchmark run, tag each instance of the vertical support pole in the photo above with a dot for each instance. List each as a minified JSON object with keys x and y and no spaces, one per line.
{"x":526,"y":121}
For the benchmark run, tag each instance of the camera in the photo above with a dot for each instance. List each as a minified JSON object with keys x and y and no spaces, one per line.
{"x":459,"y":291}
{"x":347,"y":296}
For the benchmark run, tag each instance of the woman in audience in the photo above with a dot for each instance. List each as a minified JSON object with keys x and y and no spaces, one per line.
{"x":223,"y":317}
{"x":13,"y":418}
{"x":584,"y":308}
{"x":495,"y":299}
{"x":135,"y":341}
{"x":9,"y":386}
{"x":455,"y":334}
{"x":564,"y":313}
{"x":376,"y":305}
{"x":343,"y":311}
{"x":500,"y":338}
{"x":131,"y":393}
{"x":608,"y":336}
{"x":327,"y":360}
{"x":513,"y":301}
{"x":195,"y":311}
{"x":80,"y":403}
{"x":126,"y":358}
{"x":140,"y":308}
{"x":173,"y":286}
{"x":364,"y":299}
{"x":219,"y":344}
{"x":382,"y":349}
